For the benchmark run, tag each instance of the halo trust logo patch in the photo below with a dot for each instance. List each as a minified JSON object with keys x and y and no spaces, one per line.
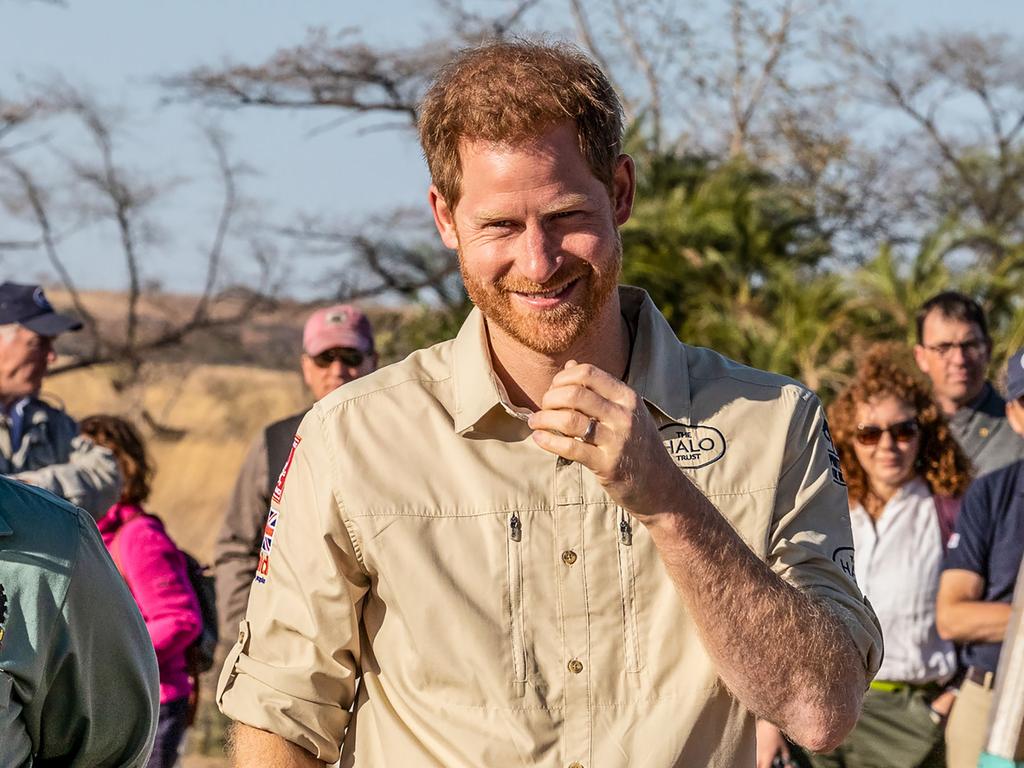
{"x":693,"y":445}
{"x":843,"y":557}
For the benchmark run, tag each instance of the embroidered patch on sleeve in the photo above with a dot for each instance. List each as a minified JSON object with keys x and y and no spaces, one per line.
{"x":843,"y":557}
{"x":3,"y":614}
{"x":836,"y":466}
{"x":263,"y":568}
{"x":279,"y":488}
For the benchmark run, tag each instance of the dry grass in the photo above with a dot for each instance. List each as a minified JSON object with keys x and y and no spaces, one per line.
{"x":216,"y":409}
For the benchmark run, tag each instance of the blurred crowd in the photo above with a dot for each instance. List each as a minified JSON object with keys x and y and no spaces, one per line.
{"x":931,"y":452}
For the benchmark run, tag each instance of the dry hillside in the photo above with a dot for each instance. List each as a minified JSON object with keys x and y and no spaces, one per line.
{"x":208,"y":413}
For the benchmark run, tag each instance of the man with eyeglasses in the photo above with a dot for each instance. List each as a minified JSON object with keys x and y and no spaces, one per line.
{"x":953,"y":350}
{"x":976,"y":591}
{"x":337,"y":347}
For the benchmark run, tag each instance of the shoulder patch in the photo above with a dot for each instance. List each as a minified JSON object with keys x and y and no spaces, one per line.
{"x":263,"y":567}
{"x":3,"y":614}
{"x":833,"y":456}
{"x":843,"y":557}
{"x":279,"y":488}
{"x":693,"y":445}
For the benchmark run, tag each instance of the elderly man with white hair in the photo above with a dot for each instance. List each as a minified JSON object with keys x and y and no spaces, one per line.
{"x":39,"y":442}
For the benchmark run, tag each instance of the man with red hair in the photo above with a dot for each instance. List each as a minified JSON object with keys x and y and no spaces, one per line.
{"x":563,"y":538}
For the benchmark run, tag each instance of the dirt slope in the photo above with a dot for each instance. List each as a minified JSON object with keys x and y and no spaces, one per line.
{"x":207,"y":415}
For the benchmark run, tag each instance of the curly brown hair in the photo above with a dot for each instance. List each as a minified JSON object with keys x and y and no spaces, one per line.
{"x":125,"y":442}
{"x":940,"y":461}
{"x":508,"y":91}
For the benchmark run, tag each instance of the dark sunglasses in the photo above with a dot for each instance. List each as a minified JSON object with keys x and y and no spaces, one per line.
{"x":902,"y":432}
{"x":350,"y":358}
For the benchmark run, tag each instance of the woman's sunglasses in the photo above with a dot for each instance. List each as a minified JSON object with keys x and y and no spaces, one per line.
{"x":350,"y":358}
{"x":902,"y":432}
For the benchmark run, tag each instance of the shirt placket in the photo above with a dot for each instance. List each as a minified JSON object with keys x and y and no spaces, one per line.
{"x":570,"y":548}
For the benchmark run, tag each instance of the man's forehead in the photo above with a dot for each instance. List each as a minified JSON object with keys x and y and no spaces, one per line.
{"x":939,"y":327}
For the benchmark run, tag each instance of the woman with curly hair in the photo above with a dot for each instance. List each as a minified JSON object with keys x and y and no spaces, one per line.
{"x":154,"y":569}
{"x":905,"y":474}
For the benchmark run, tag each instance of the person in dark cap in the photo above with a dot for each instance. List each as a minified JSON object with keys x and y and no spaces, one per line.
{"x":976,"y":591}
{"x":40,"y":443}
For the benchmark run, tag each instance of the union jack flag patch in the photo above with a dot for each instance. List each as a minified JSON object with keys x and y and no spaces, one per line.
{"x":268,"y":543}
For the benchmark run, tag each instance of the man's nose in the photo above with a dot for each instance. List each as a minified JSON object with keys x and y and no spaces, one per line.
{"x":957,"y":355}
{"x":541,"y":256}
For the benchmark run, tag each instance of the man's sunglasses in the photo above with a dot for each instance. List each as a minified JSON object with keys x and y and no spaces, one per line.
{"x":350,"y":358}
{"x":902,"y":432}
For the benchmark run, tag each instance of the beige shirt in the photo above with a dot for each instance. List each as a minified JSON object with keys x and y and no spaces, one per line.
{"x":495,"y":605}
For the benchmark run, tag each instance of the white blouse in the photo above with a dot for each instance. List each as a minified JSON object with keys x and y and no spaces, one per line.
{"x":898,"y":560}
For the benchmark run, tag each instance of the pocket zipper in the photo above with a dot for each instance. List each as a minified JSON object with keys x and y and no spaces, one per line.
{"x":627,"y":587}
{"x":515,"y":598}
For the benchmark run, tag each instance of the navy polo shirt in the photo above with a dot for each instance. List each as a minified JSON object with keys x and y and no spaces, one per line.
{"x":990,"y":543}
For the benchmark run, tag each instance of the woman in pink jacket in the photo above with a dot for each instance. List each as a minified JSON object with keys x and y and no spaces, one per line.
{"x":154,"y":569}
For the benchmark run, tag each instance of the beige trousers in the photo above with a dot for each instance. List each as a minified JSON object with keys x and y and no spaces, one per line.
{"x":967,"y":729}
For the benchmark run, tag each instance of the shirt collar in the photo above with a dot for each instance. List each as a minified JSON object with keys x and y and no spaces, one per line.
{"x":658,"y":368}
{"x":475,"y":383}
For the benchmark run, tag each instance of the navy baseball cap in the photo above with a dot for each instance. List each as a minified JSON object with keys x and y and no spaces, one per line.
{"x":27,"y":305}
{"x":1015,"y":375}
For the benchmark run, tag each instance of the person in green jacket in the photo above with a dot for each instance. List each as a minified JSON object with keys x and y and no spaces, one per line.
{"x":78,"y":676}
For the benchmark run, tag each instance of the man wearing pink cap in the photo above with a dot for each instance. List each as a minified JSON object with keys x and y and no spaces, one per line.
{"x":337,"y":347}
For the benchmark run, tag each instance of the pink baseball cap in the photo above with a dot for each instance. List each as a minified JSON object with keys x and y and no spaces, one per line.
{"x":339,"y":326}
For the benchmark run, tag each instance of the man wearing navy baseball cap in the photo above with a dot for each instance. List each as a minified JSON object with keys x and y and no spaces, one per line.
{"x":39,"y":443}
{"x":980,"y":575}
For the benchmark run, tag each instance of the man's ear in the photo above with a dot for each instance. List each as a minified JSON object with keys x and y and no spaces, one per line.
{"x":308,"y":367}
{"x":921,"y":358}
{"x":444,"y":219}
{"x":623,"y":189}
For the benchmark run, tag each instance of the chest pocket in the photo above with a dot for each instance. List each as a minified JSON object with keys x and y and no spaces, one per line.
{"x":37,"y":448}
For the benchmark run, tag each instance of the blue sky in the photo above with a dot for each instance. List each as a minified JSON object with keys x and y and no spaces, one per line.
{"x":116,"y":48}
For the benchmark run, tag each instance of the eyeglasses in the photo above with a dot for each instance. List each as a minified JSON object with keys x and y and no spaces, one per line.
{"x":970,"y":348}
{"x":350,"y":358}
{"x":902,"y":432}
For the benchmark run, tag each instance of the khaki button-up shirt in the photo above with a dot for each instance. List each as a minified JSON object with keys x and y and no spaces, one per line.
{"x":418,"y":545}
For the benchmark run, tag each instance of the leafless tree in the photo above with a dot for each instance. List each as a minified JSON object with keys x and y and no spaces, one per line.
{"x":122,"y":199}
{"x":394,"y":255}
{"x":941,"y":85}
{"x":343,"y":72}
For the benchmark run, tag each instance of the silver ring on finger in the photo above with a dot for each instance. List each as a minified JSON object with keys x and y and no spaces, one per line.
{"x":588,"y":436}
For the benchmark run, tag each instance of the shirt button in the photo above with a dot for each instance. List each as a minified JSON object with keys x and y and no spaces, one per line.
{"x":575,"y":666}
{"x":575,"y":765}
{"x":568,"y":557}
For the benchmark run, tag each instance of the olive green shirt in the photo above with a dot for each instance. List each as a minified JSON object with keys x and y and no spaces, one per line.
{"x":984,"y":433}
{"x":79,"y":684}
{"x":494,"y":605}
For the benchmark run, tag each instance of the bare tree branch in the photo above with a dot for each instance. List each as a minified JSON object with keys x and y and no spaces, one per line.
{"x":647,"y":67}
{"x":35,"y":197}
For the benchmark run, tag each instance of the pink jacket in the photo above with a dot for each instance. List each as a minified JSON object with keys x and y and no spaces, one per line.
{"x":154,"y":569}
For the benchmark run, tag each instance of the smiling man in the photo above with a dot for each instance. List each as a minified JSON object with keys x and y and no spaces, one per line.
{"x":563,"y":538}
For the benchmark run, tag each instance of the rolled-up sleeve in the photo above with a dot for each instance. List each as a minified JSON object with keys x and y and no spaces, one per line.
{"x":810,"y":542}
{"x":294,"y":669}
